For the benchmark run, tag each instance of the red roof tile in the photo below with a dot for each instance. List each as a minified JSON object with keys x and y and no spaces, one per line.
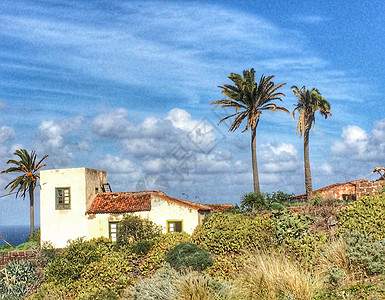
{"x":117,"y":203}
{"x":124,"y":202}
{"x":220,"y":207}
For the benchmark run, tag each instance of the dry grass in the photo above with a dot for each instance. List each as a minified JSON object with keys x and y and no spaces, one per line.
{"x":335,"y":257}
{"x":272,"y":277}
{"x":197,"y":286}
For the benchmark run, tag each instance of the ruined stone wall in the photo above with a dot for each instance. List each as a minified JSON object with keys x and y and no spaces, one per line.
{"x":338,"y":192}
{"x":16,"y":255}
{"x":366,"y":187}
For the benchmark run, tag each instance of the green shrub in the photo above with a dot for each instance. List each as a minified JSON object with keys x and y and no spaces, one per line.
{"x":365,"y":216}
{"x":142,"y":247}
{"x":365,"y":254}
{"x":161,"y":286}
{"x":253,"y":202}
{"x":109,"y":276}
{"x":277,"y":206}
{"x":133,"y":229}
{"x":51,"y":291}
{"x":69,"y":265}
{"x":14,"y":278}
{"x":291,"y":226}
{"x":158,"y":251}
{"x":279,"y":197}
{"x":35,"y":237}
{"x":224,"y":233}
{"x":316,"y":200}
{"x":5,"y":249}
{"x":227,"y":266}
{"x":306,"y":248}
{"x":336,"y":277}
{"x":188,"y":255}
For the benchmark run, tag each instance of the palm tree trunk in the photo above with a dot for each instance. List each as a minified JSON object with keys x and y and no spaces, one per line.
{"x":254,"y":160}
{"x":308,"y":185}
{"x":31,"y":208}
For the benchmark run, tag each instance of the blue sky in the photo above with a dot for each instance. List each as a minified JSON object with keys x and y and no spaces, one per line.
{"x":126,"y":87}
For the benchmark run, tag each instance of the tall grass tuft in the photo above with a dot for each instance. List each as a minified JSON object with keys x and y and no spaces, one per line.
{"x":274,"y":277}
{"x":335,"y":256}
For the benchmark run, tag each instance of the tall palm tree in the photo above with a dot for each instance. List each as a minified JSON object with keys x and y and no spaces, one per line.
{"x":27,"y":181}
{"x":308,"y":103}
{"x":249,"y":100}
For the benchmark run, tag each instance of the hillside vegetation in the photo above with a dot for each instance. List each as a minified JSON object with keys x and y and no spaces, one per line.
{"x":327,"y":250}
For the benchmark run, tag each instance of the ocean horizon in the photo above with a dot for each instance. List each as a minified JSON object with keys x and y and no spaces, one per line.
{"x":14,"y":234}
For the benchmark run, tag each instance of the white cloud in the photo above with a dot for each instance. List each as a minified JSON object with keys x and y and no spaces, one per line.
{"x":282,"y":158}
{"x":54,"y":139}
{"x":113,"y":124}
{"x":358,"y":145}
{"x":116,"y":165}
{"x":6,"y":133}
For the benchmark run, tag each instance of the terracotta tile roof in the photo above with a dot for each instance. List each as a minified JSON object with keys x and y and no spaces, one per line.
{"x":220,"y":207}
{"x":124,"y":202}
{"x":325,"y":188}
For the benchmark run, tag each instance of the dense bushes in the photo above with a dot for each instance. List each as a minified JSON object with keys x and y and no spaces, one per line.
{"x":158,"y":251}
{"x":70,"y":264}
{"x":133,"y":230}
{"x":365,"y":216}
{"x":223,"y":233}
{"x":86,"y":269}
{"x":188,"y":255}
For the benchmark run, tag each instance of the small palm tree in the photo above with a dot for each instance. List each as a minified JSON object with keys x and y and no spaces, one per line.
{"x":249,"y":100}
{"x":27,"y":181}
{"x":308,"y":103}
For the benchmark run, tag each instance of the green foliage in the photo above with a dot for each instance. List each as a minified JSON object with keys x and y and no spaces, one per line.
{"x":188,"y":255}
{"x":277,"y":206}
{"x":142,"y":247}
{"x":279,"y":197}
{"x":291,"y":226}
{"x":224,"y":233}
{"x":35,"y":237}
{"x":5,"y":249}
{"x":157,"y":254}
{"x":336,"y":277}
{"x":316,"y":200}
{"x":161,"y":286}
{"x":253,"y":202}
{"x":69,"y":266}
{"x":51,"y":291}
{"x":227,"y":266}
{"x":112,"y":273}
{"x":365,"y":216}
{"x":365,"y":254}
{"x":306,"y":248}
{"x":133,"y":229}
{"x":14,"y":278}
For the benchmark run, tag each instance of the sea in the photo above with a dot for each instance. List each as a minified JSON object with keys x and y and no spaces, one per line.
{"x":14,"y":234}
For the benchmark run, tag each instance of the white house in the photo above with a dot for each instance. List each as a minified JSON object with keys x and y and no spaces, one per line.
{"x":75,"y":203}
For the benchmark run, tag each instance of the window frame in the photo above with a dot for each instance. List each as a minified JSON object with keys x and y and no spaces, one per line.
{"x":110,"y":232}
{"x":62,"y":206}
{"x":174,"y":221}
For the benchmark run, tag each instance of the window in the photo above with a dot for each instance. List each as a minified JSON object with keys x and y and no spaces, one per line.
{"x":174,"y":225}
{"x":113,"y":231}
{"x":96,"y":190}
{"x":63,"y":198}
